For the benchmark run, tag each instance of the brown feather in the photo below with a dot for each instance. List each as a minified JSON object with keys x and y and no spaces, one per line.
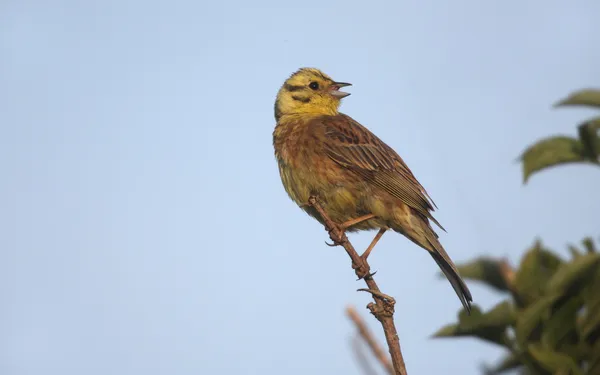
{"x":354,"y":147}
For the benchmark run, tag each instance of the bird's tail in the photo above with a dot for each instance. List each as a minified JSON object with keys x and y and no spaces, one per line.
{"x":424,"y":236}
{"x":461,"y":289}
{"x":443,"y":260}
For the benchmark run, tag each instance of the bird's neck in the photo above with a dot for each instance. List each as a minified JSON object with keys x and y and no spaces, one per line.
{"x":289,"y":107}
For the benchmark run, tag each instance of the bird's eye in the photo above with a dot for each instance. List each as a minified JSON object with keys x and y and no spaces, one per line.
{"x":314,"y":85}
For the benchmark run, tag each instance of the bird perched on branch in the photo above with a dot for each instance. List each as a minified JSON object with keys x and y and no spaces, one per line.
{"x":360,"y":182}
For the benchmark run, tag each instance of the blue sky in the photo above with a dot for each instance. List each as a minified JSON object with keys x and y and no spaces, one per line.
{"x":144,"y":226}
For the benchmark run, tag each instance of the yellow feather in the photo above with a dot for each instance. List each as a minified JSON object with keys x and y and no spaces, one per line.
{"x":302,"y":100}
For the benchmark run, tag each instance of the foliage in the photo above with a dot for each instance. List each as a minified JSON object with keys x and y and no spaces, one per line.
{"x":558,"y":150}
{"x":550,"y":322}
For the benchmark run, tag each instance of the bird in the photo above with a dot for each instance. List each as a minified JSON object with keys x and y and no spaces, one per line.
{"x":360,"y":182}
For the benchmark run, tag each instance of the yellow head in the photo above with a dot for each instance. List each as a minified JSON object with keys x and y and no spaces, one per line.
{"x":309,"y":91}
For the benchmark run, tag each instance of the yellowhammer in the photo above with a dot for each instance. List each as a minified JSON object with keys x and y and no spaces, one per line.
{"x":360,"y":182}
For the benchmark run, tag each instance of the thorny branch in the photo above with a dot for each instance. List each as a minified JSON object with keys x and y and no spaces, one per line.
{"x":368,"y":338}
{"x":383,"y":308}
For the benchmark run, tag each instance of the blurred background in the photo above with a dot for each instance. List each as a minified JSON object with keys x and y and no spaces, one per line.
{"x":145,"y":229}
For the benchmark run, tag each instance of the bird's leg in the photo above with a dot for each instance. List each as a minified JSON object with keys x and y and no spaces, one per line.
{"x":338,"y":236}
{"x":362,"y":270}
{"x":342,"y":227}
{"x":358,"y":220}
{"x":378,"y":236}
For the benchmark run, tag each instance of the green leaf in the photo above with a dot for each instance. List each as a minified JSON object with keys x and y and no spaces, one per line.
{"x":463,"y":316}
{"x":560,"y":328}
{"x":590,"y":329}
{"x":500,"y":315}
{"x":550,"y":152}
{"x":508,"y":363}
{"x":575,"y":253}
{"x":590,"y":291}
{"x":570,"y":277}
{"x":594,"y":363}
{"x":579,"y":351}
{"x":455,"y":330}
{"x":487,"y":270}
{"x":537,"y":267}
{"x":553,"y":361}
{"x":532,"y":367}
{"x":585,"y":97}
{"x":490,"y":326}
{"x":590,"y":322}
{"x":450,"y":330}
{"x":528,"y":326}
{"x":588,"y":243}
{"x":588,"y":135}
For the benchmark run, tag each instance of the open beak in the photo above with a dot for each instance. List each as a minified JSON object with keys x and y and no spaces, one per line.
{"x":335,"y":87}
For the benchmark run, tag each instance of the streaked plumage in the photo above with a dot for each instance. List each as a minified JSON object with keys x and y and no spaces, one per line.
{"x":325,"y":153}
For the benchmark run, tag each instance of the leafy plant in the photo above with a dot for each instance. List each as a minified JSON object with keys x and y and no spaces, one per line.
{"x":550,"y":322}
{"x":558,"y":150}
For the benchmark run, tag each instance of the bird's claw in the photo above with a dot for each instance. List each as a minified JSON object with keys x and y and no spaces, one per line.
{"x":370,"y":274}
{"x":383,"y":296}
{"x":337,"y":237}
{"x":332,"y":244}
{"x":362,"y":270}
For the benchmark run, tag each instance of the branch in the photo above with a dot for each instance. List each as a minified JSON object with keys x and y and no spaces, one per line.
{"x":360,"y":356}
{"x":365,"y":333}
{"x":383,"y":308}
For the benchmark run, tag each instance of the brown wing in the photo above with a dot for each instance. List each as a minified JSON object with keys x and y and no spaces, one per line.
{"x":353,"y":146}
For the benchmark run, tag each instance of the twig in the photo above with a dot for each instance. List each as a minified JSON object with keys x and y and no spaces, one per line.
{"x":366,"y":335}
{"x":361,"y":357}
{"x":383,"y":308}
